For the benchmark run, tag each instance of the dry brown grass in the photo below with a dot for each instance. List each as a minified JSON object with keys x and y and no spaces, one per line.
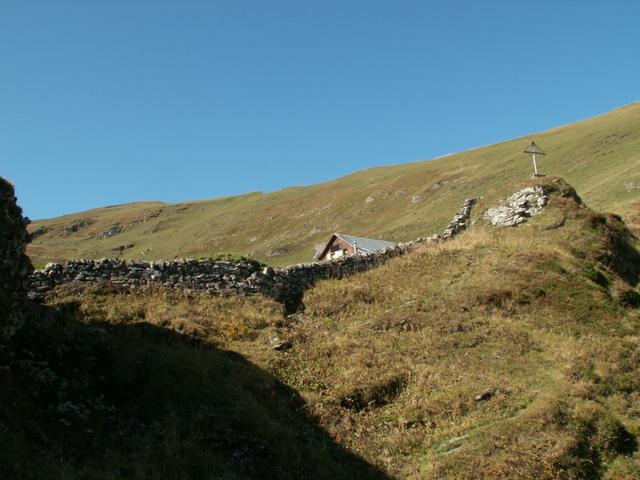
{"x":392,"y":361}
{"x":215,"y":319}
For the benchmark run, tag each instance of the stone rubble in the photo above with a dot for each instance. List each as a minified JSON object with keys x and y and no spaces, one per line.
{"x":112,"y":231}
{"x":38,"y":232}
{"x":519,"y":207}
{"x":417,"y":198}
{"x":123,"y":247}
{"x":77,"y":226}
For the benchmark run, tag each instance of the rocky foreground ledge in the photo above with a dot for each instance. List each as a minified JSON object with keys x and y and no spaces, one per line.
{"x":15,"y":266}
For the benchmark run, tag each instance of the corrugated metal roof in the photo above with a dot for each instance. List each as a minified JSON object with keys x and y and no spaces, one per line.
{"x":365,"y":245}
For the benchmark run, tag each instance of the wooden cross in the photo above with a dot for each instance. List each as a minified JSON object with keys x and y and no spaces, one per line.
{"x":534,"y":150}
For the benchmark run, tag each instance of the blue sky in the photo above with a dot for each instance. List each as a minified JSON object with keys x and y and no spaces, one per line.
{"x":111,"y":102}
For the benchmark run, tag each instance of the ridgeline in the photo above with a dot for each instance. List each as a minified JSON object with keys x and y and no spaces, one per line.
{"x":600,"y":157}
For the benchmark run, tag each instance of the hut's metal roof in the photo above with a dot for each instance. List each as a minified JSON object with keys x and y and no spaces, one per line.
{"x":363,"y":245}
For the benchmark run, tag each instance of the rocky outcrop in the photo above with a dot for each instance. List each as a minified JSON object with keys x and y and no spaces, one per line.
{"x":77,"y":226}
{"x":15,"y":266}
{"x":518,"y":207}
{"x":112,"y":231}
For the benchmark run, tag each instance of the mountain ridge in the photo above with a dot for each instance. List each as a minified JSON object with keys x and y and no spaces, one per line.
{"x":599,"y":155}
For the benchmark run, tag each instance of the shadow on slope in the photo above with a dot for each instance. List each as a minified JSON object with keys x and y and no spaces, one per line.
{"x":97,"y":400}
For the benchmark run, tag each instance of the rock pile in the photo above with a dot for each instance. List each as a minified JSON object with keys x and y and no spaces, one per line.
{"x":460,"y":221}
{"x":15,"y":266}
{"x":519,"y":207}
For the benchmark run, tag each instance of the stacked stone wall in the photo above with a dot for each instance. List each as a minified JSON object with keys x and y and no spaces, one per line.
{"x":286,"y":285}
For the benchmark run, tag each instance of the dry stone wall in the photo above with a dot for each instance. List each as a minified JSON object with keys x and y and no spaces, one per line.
{"x":286,"y":285}
{"x":15,"y":266}
{"x":201,"y":275}
{"x":461,"y":220}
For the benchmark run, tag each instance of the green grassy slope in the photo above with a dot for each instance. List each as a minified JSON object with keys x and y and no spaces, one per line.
{"x":599,"y":156}
{"x":506,"y":353}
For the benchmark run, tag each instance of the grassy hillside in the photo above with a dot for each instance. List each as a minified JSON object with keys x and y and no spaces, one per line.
{"x":599,"y":156}
{"x":504,"y":354}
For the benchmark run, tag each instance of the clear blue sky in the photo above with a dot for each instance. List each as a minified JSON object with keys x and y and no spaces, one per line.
{"x":105,"y":102}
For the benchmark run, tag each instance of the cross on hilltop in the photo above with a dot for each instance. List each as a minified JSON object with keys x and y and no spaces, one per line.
{"x":534,"y":150}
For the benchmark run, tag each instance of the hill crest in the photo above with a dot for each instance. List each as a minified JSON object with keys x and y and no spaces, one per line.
{"x":598,"y":156}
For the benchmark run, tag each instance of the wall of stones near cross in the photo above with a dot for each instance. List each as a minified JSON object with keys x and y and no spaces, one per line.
{"x":286,"y":285}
